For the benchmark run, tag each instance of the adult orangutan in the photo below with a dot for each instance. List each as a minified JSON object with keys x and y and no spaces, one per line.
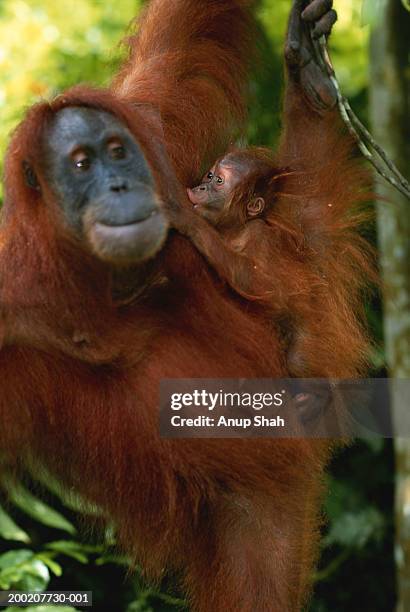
{"x":98,"y":302}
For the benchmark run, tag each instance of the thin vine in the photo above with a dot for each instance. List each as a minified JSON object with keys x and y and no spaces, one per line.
{"x":370,"y":149}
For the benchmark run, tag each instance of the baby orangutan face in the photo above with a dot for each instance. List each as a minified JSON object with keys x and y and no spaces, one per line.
{"x":212,"y":198}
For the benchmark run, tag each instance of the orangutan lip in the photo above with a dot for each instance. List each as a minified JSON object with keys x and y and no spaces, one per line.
{"x":132,"y":242}
{"x":134,"y":222}
{"x":194,"y":200}
{"x":136,"y":230}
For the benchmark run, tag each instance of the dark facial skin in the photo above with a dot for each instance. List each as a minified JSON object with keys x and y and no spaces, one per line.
{"x":212,"y":197}
{"x":104,"y":185}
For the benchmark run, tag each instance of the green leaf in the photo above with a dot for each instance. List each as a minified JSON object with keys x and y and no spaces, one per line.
{"x":36,"y":576}
{"x":75,"y":550}
{"x":51,"y":564}
{"x":15,"y":557}
{"x":9,"y":530}
{"x":354,"y":530}
{"x":70,"y":498}
{"x":22,"y":570}
{"x":38,"y":510}
{"x":113,"y":558}
{"x":375,"y":444}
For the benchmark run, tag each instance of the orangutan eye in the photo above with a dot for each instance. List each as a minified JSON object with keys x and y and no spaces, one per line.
{"x":81,"y":160}
{"x":220,"y":180}
{"x":116,"y":149}
{"x":210,"y":176}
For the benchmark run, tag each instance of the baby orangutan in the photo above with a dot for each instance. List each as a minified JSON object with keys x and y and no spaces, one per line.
{"x":234,"y":197}
{"x":213,"y":197}
{"x":238,"y":197}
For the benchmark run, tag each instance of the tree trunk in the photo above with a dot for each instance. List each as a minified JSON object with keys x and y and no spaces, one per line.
{"x":390,"y":107}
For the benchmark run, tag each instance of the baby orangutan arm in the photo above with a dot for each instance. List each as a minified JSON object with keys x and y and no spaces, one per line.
{"x":243,"y":273}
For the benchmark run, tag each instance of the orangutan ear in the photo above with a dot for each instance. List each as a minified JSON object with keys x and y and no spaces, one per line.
{"x":30,"y":176}
{"x":255,"y":207}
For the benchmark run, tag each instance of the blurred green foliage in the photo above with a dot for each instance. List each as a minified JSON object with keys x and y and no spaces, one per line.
{"x":46,"y":46}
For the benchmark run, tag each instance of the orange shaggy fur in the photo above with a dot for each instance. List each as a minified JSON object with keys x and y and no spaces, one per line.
{"x":236,"y":520}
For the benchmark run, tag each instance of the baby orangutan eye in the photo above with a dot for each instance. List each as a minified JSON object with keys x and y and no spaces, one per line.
{"x":210,"y":176}
{"x":220,"y":180}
